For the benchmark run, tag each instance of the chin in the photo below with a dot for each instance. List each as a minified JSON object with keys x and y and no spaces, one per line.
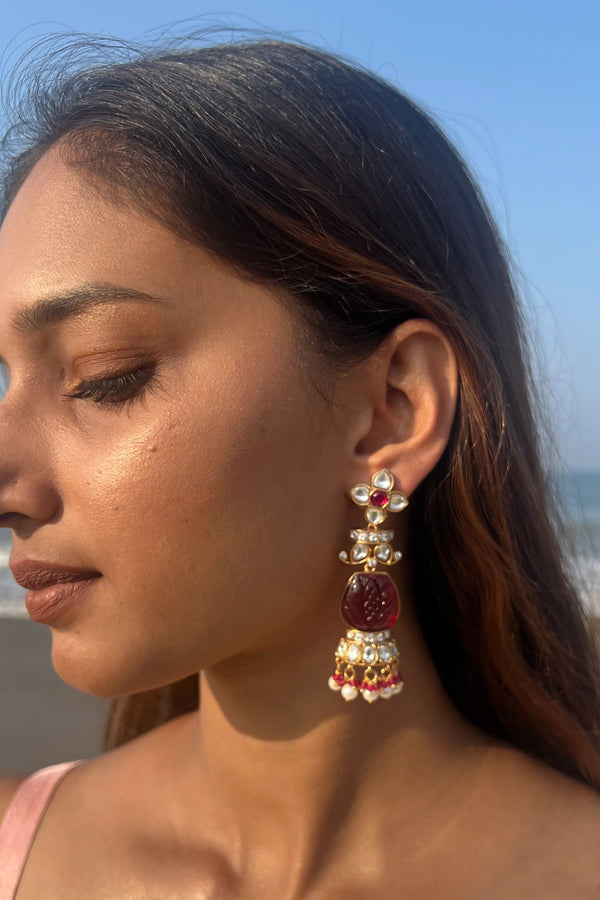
{"x":109,"y":672}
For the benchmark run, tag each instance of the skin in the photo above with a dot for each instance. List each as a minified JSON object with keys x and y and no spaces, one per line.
{"x":214,"y":505}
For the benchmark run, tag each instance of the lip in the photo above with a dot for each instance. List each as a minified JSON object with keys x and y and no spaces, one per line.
{"x":48,"y":604}
{"x":52,"y":587}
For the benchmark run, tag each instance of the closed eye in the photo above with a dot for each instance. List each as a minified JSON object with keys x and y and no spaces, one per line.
{"x":115,"y":389}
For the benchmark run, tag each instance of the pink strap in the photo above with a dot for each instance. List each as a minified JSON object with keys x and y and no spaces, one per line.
{"x":21,"y":822}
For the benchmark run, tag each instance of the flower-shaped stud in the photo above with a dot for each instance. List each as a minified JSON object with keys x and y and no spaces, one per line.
{"x":373,"y":546}
{"x":379,"y":498}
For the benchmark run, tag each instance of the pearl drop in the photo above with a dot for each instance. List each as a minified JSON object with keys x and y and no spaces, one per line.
{"x":334,"y":686}
{"x":370,"y":696}
{"x":349,"y":692}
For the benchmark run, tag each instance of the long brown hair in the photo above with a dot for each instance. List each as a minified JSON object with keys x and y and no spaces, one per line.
{"x":302,"y":170}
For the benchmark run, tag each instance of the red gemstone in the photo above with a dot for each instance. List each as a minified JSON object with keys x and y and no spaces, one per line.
{"x":370,"y":601}
{"x":379,"y":498}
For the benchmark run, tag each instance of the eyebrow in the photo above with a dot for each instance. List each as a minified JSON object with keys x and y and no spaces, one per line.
{"x":75,"y":302}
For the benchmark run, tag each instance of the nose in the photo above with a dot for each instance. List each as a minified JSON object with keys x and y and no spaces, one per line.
{"x":27,"y":495}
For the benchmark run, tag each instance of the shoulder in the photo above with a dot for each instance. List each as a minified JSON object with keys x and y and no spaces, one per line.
{"x":8,"y":790}
{"x":572,"y":810}
{"x":567,"y":802}
{"x":549,"y":825}
{"x":568,"y":842}
{"x":43,"y":783}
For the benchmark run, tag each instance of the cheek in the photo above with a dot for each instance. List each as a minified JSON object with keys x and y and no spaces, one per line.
{"x":203,"y":518}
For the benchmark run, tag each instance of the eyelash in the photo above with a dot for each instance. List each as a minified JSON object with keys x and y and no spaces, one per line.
{"x":115,"y":390}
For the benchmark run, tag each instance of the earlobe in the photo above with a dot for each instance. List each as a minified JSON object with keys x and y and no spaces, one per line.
{"x":414,"y":388}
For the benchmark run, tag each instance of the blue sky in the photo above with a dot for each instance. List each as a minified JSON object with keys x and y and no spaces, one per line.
{"x":515,"y":84}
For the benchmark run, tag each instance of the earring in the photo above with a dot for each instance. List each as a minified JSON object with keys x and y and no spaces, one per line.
{"x":370,"y":602}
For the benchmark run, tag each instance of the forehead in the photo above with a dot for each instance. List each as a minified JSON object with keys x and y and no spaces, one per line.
{"x":54,"y":204}
{"x":62,"y":232}
{"x":51,"y":182}
{"x":60,"y":229}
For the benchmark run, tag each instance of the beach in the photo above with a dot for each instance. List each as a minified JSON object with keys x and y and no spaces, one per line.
{"x":42,"y":719}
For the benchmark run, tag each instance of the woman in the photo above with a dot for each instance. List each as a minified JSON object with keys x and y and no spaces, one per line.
{"x":250,"y":296}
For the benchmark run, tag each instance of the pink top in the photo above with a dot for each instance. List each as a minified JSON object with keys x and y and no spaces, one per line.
{"x":21,"y":822}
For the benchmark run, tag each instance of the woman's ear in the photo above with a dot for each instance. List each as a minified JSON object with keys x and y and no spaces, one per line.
{"x":411,"y":388}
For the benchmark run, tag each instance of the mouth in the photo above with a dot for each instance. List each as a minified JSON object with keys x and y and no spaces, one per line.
{"x":52,"y":588}
{"x":35,"y":575}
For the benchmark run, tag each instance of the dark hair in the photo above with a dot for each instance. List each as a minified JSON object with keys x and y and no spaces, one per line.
{"x":301,"y":170}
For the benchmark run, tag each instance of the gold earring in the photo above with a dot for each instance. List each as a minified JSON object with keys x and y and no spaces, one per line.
{"x":370,"y":602}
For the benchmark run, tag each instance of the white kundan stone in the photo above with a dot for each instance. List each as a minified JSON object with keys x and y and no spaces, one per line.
{"x":397,"y":502}
{"x":383,"y":480}
{"x":359,"y":552}
{"x":353,"y":653}
{"x":371,"y":563}
{"x":369,"y":654}
{"x":384,"y":653}
{"x":341,"y":648}
{"x":375,"y":515}
{"x":342,"y":555}
{"x":373,"y":537}
{"x":383,"y":552}
{"x":360,"y":494}
{"x":349,"y":692}
{"x":397,"y":555}
{"x":334,"y":686}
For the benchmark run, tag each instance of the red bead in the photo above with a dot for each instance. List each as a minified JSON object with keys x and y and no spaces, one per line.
{"x":370,"y":601}
{"x":379,"y":498}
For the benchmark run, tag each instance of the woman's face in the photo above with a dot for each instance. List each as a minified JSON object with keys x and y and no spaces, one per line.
{"x":198,"y":471}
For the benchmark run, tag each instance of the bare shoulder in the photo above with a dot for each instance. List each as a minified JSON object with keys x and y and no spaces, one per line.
{"x":568,"y":817}
{"x":574,"y":807}
{"x":551,"y":825}
{"x":8,"y":789}
{"x":574,"y":802}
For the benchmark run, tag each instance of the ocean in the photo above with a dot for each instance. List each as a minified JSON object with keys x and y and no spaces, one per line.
{"x":580,"y":492}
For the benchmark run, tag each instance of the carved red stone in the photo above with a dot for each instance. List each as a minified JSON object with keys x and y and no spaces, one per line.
{"x":379,"y":498}
{"x":370,"y":601}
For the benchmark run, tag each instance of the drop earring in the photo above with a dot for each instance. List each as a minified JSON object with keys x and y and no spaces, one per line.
{"x":370,"y":603}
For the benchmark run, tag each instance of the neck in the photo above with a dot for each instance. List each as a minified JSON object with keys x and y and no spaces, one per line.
{"x":285,"y":763}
